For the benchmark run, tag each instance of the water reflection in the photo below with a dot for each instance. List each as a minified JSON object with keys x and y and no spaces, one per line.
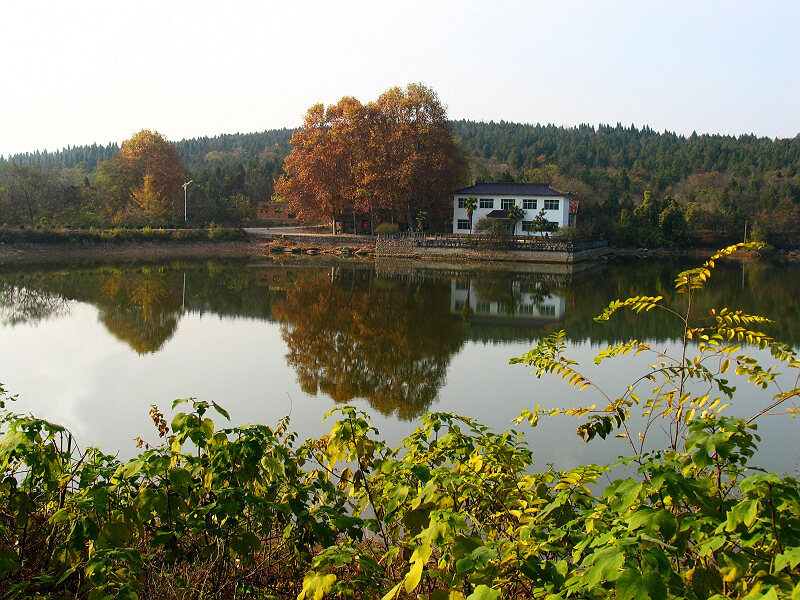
{"x":386,"y":334}
{"x":21,"y":304}
{"x":141,"y":309}
{"x":508,"y":300}
{"x":351,"y":335}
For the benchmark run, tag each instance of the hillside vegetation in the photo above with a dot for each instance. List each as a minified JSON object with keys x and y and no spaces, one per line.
{"x":703,"y":188}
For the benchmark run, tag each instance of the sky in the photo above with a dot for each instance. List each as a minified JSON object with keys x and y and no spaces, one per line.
{"x":81,"y":72}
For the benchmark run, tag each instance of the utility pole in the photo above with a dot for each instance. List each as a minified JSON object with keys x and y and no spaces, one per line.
{"x":185,"y":185}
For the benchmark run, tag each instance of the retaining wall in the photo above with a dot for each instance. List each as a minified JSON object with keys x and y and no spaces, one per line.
{"x":444,"y":249}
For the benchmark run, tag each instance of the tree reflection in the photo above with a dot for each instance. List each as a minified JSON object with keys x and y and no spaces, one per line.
{"x":351,"y":335}
{"x":21,"y":304}
{"x":141,"y":310}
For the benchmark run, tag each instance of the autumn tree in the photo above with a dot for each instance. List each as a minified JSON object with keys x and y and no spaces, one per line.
{"x":394,"y":157}
{"x":321,"y":178}
{"x":150,"y":202}
{"x":144,"y":179}
{"x":424,"y":163}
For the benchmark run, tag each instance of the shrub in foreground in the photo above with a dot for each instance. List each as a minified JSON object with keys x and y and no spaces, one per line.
{"x":454,"y":512}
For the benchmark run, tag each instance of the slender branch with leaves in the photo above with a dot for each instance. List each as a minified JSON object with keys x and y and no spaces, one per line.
{"x":685,"y":386}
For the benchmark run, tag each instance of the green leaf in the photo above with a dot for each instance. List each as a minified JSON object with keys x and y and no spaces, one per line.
{"x":416,"y":520}
{"x":667,"y":523}
{"x":180,"y":479}
{"x":623,"y":494}
{"x":484,"y":592}
{"x":62,"y":516}
{"x":705,"y":581}
{"x":606,"y":565}
{"x":633,"y":585}
{"x":745,"y":512}
{"x":790,"y":557}
{"x":316,"y":585}
{"x":221,"y":410}
{"x":642,"y":517}
{"x":243,"y":543}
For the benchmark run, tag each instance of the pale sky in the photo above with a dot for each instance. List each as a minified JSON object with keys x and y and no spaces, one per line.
{"x":79,"y":72}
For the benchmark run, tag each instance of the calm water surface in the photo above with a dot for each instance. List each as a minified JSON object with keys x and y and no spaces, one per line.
{"x":94,"y":346}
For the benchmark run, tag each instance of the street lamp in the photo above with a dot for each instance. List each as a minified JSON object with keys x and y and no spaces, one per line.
{"x":185,"y":185}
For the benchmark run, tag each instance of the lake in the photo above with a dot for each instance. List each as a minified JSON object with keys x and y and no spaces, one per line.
{"x":93,"y":346}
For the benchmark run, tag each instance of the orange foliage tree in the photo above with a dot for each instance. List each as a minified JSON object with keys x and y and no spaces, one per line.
{"x":144,"y":180}
{"x":322,"y":180}
{"x":390,"y":159}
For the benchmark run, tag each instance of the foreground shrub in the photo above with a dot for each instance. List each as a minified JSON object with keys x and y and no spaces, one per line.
{"x":454,"y":511}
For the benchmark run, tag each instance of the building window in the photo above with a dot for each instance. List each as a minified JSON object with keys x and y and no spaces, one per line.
{"x":547,"y":310}
{"x":528,"y":203}
{"x":554,"y":225}
{"x":506,"y":203}
{"x":463,"y":224}
{"x":551,"y":204}
{"x":483,"y":307}
{"x":462,"y":203}
{"x":527,"y":226}
{"x":487,"y":203}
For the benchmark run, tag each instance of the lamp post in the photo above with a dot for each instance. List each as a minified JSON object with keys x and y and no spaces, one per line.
{"x":185,"y":185}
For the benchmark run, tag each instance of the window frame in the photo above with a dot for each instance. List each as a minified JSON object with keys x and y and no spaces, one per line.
{"x":459,"y":223}
{"x":552,"y":204}
{"x":486,"y":203}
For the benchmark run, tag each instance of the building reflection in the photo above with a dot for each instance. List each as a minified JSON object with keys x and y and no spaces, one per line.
{"x":521,"y":302}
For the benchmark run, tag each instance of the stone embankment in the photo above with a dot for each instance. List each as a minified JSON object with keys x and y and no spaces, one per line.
{"x":336,"y":245}
{"x":478,"y":248}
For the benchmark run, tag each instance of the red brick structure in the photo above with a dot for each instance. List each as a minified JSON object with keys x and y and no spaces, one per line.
{"x":273,"y":210}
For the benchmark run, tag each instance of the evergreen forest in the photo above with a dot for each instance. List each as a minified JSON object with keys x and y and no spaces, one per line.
{"x":636,"y":186}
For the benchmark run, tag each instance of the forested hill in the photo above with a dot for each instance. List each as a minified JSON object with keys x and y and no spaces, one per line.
{"x":513,"y":147}
{"x":702,"y":188}
{"x":517,"y":147}
{"x":193,"y":152}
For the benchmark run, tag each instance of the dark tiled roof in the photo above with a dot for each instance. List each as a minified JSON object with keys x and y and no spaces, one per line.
{"x":511,"y":189}
{"x":498,"y":214}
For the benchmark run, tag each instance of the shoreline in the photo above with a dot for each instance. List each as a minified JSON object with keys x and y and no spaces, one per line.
{"x":275,"y":246}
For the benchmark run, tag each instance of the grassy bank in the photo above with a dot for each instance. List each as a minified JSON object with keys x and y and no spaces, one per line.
{"x":26,"y":235}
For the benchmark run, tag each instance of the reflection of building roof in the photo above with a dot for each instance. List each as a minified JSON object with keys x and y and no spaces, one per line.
{"x":498,"y":214}
{"x":512,"y":189}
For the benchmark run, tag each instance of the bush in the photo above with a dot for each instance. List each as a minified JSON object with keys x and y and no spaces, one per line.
{"x":387,"y":228}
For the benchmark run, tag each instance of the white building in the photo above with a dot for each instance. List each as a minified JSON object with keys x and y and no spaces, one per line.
{"x":494,"y":199}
